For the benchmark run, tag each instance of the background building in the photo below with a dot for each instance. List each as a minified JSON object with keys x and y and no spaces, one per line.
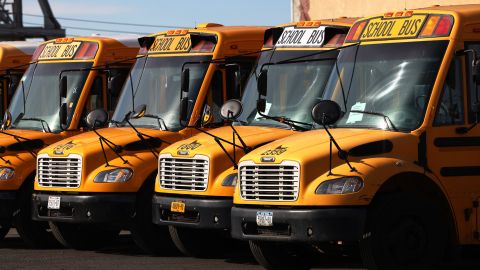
{"x":327,"y":9}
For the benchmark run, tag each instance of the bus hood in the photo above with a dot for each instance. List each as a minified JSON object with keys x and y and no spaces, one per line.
{"x":36,"y":140}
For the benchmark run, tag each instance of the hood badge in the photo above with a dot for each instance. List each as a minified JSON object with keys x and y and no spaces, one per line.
{"x":60,"y":149}
{"x":186,"y":147}
{"x":275,"y":152}
{"x":267,"y":159}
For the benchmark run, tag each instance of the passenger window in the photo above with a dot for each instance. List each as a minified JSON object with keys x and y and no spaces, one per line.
{"x":94,"y":100}
{"x":245,"y":66}
{"x":115,"y":83}
{"x":472,"y":87}
{"x":450,"y":107}
{"x":214,"y":98}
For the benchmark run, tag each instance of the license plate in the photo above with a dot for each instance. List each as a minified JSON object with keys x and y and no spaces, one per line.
{"x":264,"y":219}
{"x":178,"y":207}
{"x":53,"y":202}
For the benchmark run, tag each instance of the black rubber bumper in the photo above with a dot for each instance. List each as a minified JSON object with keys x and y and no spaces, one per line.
{"x":7,"y":203}
{"x":85,"y":208}
{"x":300,"y":225}
{"x":200,"y":213}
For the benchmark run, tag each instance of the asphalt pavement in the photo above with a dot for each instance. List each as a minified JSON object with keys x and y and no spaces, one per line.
{"x":123,"y":254}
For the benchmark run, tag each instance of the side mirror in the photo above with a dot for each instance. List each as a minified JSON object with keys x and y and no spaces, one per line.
{"x":231,"y":109}
{"x":326,"y":112}
{"x":139,"y":111}
{"x":63,"y":114}
{"x":261,"y":105}
{"x":262,"y":83}
{"x":185,"y":80}
{"x":7,"y":120}
{"x":97,"y":118}
{"x":184,"y":103}
{"x":63,"y":87}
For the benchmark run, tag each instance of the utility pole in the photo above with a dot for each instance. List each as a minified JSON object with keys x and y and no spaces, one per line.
{"x":11,"y":22}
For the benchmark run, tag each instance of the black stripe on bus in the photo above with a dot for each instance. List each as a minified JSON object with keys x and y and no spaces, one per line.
{"x":456,"y":141}
{"x":460,"y":171}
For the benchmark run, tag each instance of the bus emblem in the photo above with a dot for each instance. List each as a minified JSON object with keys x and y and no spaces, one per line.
{"x":273,"y":152}
{"x":60,"y":149}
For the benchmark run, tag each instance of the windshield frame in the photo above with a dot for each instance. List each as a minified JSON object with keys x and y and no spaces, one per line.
{"x":443,"y":47}
{"x":307,"y":58}
{"x":74,"y":97}
{"x":157,"y":62}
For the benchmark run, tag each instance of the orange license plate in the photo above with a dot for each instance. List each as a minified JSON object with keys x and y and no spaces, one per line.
{"x":178,"y":207}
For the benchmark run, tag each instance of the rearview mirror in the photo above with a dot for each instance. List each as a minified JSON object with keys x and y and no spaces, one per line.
{"x":7,"y":120}
{"x":63,"y":87}
{"x":97,"y":118}
{"x":326,"y":112}
{"x":185,"y":80}
{"x":262,"y":83}
{"x":139,"y":111}
{"x":231,"y":109}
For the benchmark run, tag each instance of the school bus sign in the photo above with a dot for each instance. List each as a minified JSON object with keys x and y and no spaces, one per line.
{"x":171,"y":44}
{"x":393,"y":28}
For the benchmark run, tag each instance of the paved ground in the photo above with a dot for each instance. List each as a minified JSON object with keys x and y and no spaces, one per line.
{"x":124,"y":255}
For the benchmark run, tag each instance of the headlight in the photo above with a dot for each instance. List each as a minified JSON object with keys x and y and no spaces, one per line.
{"x":230,"y":180}
{"x":342,"y":185}
{"x":6,"y":173}
{"x":114,"y":176}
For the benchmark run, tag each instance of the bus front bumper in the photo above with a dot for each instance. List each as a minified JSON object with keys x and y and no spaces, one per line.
{"x":298,"y":225}
{"x":85,"y":208}
{"x":200,"y":213}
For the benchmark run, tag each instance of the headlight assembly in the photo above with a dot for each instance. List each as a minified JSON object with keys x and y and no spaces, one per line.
{"x":342,"y":185}
{"x":230,"y":180}
{"x":114,"y":176}
{"x":6,"y":173}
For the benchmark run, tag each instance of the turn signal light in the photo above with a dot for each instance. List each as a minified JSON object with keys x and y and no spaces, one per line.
{"x":437,"y":26}
{"x":355,"y":32}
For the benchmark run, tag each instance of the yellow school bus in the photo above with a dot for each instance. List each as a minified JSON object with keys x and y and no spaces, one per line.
{"x":67,"y":78}
{"x":397,"y":164}
{"x":14,"y":59}
{"x":177,"y":88}
{"x":292,"y":70}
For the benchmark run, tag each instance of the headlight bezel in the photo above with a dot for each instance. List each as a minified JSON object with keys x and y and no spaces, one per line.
{"x":8,"y":175}
{"x":103,"y":176}
{"x":349,"y":184}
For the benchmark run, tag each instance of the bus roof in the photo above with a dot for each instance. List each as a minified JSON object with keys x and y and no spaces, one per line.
{"x":215,"y":28}
{"x":26,"y":47}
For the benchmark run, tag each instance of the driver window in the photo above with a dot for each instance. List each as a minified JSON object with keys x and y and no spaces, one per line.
{"x":450,"y":107}
{"x":95,"y":97}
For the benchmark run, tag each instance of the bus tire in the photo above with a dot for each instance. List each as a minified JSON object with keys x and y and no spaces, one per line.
{"x":280,"y":256}
{"x":4,"y":228}
{"x":36,"y":234}
{"x":201,"y":243}
{"x":404,"y":231}
{"x":151,"y":238}
{"x":83,"y":236}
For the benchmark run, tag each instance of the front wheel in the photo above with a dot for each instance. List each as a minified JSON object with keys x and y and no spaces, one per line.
{"x":82,"y":236}
{"x":404,"y":231}
{"x":4,"y":228}
{"x":279,"y":256}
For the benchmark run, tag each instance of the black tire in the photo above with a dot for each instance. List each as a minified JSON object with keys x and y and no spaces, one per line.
{"x":35,"y":234}
{"x":405,"y":231}
{"x":279,"y":256}
{"x":4,"y":228}
{"x":152,"y":239}
{"x":83,"y":236}
{"x":202,"y":243}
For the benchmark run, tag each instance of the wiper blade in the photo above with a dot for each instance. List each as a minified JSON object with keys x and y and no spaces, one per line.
{"x":387,"y":119}
{"x":159,"y":120}
{"x":287,"y":121}
{"x":41,"y":121}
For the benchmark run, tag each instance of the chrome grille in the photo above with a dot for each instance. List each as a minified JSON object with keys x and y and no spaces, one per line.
{"x":65,"y":172}
{"x":183,"y":173}
{"x":269,"y":182}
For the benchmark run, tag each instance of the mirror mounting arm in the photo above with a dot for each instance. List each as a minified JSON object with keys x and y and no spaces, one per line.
{"x":142,"y":136}
{"x":342,"y":154}
{"x":115,"y":148}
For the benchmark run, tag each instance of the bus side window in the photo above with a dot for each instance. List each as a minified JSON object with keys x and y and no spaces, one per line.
{"x":95,"y":98}
{"x":472,"y":86}
{"x":450,"y":108}
{"x":115,"y":84}
{"x":245,"y":65}
{"x":214,"y":98}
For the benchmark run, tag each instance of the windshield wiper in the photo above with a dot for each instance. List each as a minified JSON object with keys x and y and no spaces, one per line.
{"x":159,"y":120}
{"x":387,"y":119}
{"x":287,"y":121}
{"x":41,"y":121}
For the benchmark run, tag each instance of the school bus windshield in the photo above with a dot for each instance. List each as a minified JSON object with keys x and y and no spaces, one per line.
{"x":392,"y":79}
{"x":155,"y":82}
{"x":292,"y":88}
{"x":36,"y":103}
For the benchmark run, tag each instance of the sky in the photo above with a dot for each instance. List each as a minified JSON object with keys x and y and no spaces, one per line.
{"x":172,"y":14}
